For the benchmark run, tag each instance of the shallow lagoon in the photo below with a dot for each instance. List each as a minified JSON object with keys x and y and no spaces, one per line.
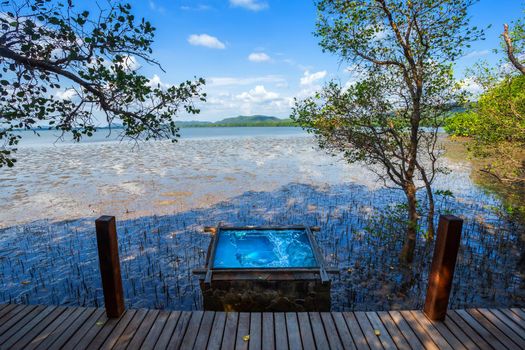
{"x":163,"y":195}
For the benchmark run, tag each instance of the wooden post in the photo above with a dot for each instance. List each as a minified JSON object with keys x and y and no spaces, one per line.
{"x":442,"y":269}
{"x":110,"y":266}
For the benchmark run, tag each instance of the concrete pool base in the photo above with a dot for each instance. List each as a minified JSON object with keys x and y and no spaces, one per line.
{"x":262,"y":291}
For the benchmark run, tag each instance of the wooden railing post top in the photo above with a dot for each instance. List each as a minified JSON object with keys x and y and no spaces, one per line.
{"x":450,"y":217}
{"x":105,"y":219}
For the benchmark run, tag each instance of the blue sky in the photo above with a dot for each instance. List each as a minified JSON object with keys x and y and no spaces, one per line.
{"x":256,"y":55}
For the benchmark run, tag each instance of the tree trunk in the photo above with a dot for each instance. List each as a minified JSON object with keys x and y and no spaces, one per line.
{"x":510,"y":51}
{"x":430,"y":214}
{"x":407,"y":253}
{"x":431,"y":205}
{"x":430,"y":220}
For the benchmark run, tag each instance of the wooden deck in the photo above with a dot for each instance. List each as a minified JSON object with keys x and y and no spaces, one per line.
{"x":56,"y":327}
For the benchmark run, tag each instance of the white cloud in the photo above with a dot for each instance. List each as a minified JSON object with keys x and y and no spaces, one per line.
{"x":258,"y":94}
{"x":252,"y":5}
{"x":232,"y":81}
{"x":310,"y":78}
{"x":131,"y":63}
{"x":381,"y":35}
{"x":229,"y":96}
{"x":471,"y":86}
{"x":66,"y":94}
{"x":259,"y":57}
{"x":153,"y":6}
{"x":474,"y":54}
{"x":206,"y":41}
{"x":258,"y":100}
{"x":270,"y":94}
{"x":155,"y":82}
{"x":310,"y":83}
{"x":261,"y":101}
{"x":196,"y":8}
{"x":356,"y":74}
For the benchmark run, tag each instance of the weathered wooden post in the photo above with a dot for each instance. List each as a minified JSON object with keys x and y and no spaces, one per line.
{"x":442,"y":269}
{"x":110,"y":266}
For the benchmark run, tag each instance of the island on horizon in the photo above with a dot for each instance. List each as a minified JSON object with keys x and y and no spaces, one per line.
{"x":239,"y":121}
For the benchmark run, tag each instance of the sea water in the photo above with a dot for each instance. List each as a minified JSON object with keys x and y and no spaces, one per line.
{"x":263,"y":249}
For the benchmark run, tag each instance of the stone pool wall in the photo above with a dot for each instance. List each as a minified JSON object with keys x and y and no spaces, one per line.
{"x":266,"y":295}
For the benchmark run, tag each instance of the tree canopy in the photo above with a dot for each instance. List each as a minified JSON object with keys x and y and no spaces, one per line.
{"x":73,"y":70}
{"x":403,"y":51}
{"x":495,"y":123}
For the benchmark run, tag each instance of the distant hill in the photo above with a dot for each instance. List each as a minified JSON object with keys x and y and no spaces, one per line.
{"x":249,"y":119}
{"x":242,"y":120}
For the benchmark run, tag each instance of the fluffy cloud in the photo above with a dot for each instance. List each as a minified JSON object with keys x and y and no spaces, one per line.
{"x":258,"y":100}
{"x":310,"y":83}
{"x":232,"y":81}
{"x":258,"y":57}
{"x":258,"y":94}
{"x":261,"y":101}
{"x":252,"y":5}
{"x":471,"y":86}
{"x":155,"y":82}
{"x":66,"y":94}
{"x":206,"y":41}
{"x":264,"y":94}
{"x":131,"y":63}
{"x":310,"y":78}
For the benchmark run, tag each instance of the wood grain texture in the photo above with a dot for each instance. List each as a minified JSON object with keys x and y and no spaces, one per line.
{"x":51,"y":327}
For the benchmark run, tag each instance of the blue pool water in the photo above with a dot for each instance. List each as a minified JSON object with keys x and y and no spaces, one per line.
{"x":263,"y":249}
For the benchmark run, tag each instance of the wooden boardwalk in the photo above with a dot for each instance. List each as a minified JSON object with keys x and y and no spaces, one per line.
{"x":56,"y":327}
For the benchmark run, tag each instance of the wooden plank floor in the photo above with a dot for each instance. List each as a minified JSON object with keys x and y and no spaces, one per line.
{"x":56,"y":327}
